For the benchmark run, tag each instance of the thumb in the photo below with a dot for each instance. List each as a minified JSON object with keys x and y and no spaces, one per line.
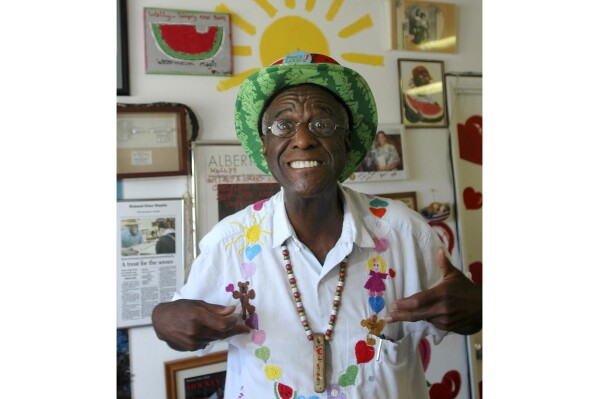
{"x":444,"y":263}
{"x":217,"y":309}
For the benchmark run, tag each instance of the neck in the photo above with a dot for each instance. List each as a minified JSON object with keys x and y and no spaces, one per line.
{"x":317,"y":221}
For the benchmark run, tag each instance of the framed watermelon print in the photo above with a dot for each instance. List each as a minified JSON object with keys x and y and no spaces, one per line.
{"x":422,"y":93}
{"x":180,"y":42}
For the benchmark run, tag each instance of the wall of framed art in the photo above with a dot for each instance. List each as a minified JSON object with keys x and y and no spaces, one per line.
{"x":355,"y":33}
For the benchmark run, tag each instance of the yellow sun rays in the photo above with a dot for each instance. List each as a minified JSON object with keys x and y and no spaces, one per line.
{"x":363,"y":23}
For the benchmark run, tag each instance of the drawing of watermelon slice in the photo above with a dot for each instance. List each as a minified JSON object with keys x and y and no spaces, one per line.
{"x":418,"y":110}
{"x":184,"y":42}
{"x":283,"y":391}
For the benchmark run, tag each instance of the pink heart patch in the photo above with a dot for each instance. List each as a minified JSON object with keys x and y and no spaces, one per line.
{"x":230,"y":288}
{"x":380,"y":244}
{"x":258,"y":205}
{"x":259,"y":337}
{"x":247,"y":269}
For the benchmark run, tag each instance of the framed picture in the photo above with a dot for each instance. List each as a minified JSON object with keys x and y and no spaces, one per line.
{"x":151,"y":141}
{"x":423,"y":26}
{"x":182,"y":42}
{"x":386,"y":158}
{"x":122,"y":49}
{"x":225,"y":181}
{"x":150,"y":256}
{"x":422,"y":93}
{"x":408,"y":198}
{"x":196,"y":377}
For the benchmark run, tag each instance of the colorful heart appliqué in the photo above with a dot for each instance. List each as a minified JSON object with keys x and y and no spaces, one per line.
{"x":230,"y":288}
{"x":378,"y":212}
{"x":252,"y":321}
{"x":349,"y":377}
{"x":252,"y":251}
{"x":379,"y":203}
{"x":376,"y":303}
{"x":247,"y":269}
{"x":380,"y":244}
{"x":364,"y":352}
{"x":259,"y":337}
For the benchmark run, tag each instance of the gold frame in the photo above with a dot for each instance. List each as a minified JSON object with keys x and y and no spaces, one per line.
{"x":408,"y":198}
{"x":173,"y":367}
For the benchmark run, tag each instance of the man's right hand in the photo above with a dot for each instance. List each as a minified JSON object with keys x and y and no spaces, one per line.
{"x":189,"y":325}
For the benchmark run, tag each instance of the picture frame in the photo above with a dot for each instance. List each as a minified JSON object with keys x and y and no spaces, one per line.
{"x":423,"y":26}
{"x":151,"y":141}
{"x":386,"y":159}
{"x":122,"y":49}
{"x":189,"y":377}
{"x":408,"y":198}
{"x":185,"y":42}
{"x":423,"y":98}
{"x":150,"y":264}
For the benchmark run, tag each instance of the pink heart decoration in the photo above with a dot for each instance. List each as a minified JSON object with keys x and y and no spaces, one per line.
{"x":472,"y":198}
{"x":258,"y":205}
{"x":259,"y":337}
{"x":380,"y":244}
{"x":248,"y":269}
{"x":230,"y":288}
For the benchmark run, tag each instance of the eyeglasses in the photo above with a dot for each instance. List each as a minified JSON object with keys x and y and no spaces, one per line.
{"x":318,"y":127}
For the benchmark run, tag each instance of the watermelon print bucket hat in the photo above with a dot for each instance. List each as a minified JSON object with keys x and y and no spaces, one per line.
{"x":305,"y":68}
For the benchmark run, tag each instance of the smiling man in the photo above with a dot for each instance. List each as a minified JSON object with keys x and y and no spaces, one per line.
{"x":287,"y":281}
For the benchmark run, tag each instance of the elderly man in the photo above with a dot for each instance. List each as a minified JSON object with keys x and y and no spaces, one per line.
{"x":320,"y":291}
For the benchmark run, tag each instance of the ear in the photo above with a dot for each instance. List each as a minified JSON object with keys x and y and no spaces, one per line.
{"x":263,"y":138}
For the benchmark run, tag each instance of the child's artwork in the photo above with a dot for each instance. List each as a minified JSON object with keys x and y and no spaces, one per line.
{"x":187,"y":42}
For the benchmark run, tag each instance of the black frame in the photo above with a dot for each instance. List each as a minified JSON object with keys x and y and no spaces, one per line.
{"x":122,"y":49}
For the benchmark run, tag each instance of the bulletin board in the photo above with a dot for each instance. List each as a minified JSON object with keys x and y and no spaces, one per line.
{"x":225,"y":181}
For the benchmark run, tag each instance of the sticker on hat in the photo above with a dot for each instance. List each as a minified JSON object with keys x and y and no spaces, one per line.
{"x":298,"y":57}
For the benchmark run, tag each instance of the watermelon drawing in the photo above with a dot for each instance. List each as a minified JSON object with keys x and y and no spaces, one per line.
{"x":422,"y":109}
{"x":184,"y":42}
{"x":283,"y":391}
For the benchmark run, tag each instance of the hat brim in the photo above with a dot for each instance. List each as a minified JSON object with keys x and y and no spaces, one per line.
{"x":347,"y":84}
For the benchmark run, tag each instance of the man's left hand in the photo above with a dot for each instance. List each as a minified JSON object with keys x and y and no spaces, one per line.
{"x":455,"y":304}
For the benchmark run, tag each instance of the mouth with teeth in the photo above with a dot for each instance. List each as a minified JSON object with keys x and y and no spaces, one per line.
{"x":303,"y":164}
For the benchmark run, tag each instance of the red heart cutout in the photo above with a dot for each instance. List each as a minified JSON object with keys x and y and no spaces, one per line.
{"x":448,"y":388}
{"x":424,"y":347}
{"x":470,"y":139}
{"x":472,"y":199}
{"x":378,"y":212}
{"x":391,"y":272}
{"x":476,"y":269}
{"x":364,"y":352}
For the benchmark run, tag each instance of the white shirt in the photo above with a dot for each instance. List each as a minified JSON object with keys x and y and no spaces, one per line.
{"x":276,"y":356}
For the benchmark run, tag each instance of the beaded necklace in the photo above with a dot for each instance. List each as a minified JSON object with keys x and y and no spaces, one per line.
{"x":318,"y":340}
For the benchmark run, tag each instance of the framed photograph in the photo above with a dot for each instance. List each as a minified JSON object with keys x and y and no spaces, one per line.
{"x":151,"y":141}
{"x":408,"y":198}
{"x":422,"y":93}
{"x":122,"y":49}
{"x":386,"y":158}
{"x":196,"y":377}
{"x":423,"y":26}
{"x":182,"y":42}
{"x":150,"y":257}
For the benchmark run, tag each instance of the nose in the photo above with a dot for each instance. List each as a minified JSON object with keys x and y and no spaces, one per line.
{"x":303,"y":138}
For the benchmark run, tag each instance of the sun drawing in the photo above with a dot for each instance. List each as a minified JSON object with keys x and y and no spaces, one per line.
{"x":251,"y":234}
{"x":290,"y":33}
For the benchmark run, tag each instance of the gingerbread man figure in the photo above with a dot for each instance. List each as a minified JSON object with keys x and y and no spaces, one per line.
{"x":374,"y":328}
{"x":244,"y":297}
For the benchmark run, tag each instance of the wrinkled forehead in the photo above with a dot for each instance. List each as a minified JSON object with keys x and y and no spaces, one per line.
{"x":308,"y":93}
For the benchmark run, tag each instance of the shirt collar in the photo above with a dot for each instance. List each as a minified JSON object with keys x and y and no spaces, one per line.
{"x":354,"y":230}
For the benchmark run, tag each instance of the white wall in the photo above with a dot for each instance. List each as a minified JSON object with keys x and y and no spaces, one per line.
{"x":429,"y":170}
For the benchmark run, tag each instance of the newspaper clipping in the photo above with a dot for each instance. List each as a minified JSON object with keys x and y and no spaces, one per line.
{"x":150,"y":260}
